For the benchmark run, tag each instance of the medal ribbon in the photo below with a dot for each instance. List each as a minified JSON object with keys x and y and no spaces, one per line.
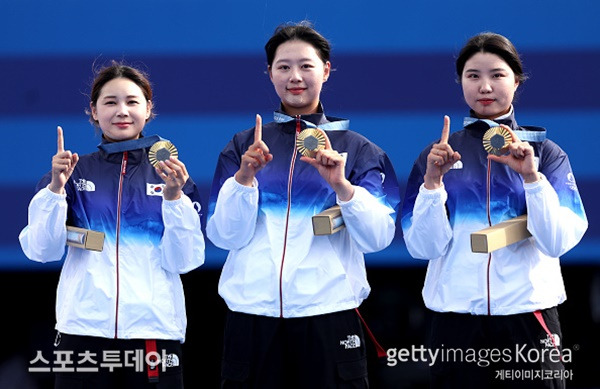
{"x":524,"y":135}
{"x":128,"y":145}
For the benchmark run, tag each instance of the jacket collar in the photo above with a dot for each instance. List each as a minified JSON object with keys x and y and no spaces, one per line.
{"x":314,"y":120}
{"x":473,"y":122}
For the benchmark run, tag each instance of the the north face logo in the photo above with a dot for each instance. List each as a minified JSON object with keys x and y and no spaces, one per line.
{"x":171,"y":360}
{"x":551,"y":341}
{"x":352,"y":341}
{"x":84,"y":185}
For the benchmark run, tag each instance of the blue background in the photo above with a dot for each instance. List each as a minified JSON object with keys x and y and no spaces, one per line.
{"x":394,"y":79}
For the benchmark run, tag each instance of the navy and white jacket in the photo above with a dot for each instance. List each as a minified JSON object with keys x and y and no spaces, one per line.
{"x":477,"y":193}
{"x":132,"y":289}
{"x":276,"y":266}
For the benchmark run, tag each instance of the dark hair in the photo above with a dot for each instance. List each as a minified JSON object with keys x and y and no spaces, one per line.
{"x":119,"y":70}
{"x":489,"y":42}
{"x":302,"y":31}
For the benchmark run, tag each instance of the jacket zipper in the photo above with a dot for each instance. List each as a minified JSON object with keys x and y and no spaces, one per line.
{"x":489,"y":217}
{"x":119,"y":200}
{"x":287,"y":216}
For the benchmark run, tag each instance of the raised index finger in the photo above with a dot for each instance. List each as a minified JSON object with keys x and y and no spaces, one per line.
{"x":60,"y":142}
{"x":258,"y":129}
{"x":445,"y":130}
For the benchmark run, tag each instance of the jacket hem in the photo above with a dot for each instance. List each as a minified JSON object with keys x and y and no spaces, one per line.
{"x":292,"y":313}
{"x":502,"y":311}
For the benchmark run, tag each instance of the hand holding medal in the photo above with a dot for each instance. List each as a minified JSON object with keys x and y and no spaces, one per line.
{"x":163,"y":156}
{"x":316,"y":150}
{"x":505,"y":147}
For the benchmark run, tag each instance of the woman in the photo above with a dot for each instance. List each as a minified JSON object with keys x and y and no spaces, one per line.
{"x":292,"y":295}
{"x":125,"y":302}
{"x":506,"y":299}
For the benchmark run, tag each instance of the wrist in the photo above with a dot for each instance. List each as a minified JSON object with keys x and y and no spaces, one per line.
{"x":344,"y":191}
{"x":531,"y":178}
{"x":242,"y":179}
{"x":55,"y":188}
{"x":432,"y":183}
{"x":171,"y":195}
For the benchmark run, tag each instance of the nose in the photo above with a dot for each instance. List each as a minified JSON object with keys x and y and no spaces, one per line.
{"x":485,"y":86}
{"x":122,"y":110}
{"x":295,"y":75}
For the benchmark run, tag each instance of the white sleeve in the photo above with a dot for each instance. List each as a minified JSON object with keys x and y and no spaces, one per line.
{"x":429,"y":234}
{"x":233,"y":222}
{"x":45,"y":236}
{"x":556,"y":229}
{"x":369,"y":222}
{"x":182,"y":244}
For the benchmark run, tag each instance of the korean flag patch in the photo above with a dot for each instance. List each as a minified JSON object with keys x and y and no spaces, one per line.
{"x":155,"y":189}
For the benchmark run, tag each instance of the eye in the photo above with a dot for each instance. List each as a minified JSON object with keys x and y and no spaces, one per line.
{"x":307,"y":66}
{"x":472,"y":75}
{"x":283,"y":67}
{"x":132,"y":102}
{"x":109,"y":102}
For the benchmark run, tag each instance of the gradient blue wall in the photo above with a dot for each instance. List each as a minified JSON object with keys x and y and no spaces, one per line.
{"x":394,"y":78}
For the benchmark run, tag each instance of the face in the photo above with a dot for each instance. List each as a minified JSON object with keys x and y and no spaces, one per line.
{"x":298,"y":74}
{"x":121,"y":110}
{"x":489,"y":85}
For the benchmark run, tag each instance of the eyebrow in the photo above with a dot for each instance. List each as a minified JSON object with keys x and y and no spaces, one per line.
{"x":491,"y":70}
{"x":306,"y":59}
{"x":127,"y":97}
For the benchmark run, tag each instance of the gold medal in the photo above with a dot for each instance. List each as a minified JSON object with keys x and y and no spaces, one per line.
{"x":496,"y":140}
{"x":161,"y":151}
{"x":310,"y":141}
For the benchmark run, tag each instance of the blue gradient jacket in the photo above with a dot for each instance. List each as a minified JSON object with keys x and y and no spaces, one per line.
{"x":276,"y":266}
{"x":437,"y":225}
{"x":132,"y":288}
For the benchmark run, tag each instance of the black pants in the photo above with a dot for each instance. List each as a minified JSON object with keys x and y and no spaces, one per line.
{"x":514,"y":351}
{"x":325,"y":351}
{"x":99,"y":363}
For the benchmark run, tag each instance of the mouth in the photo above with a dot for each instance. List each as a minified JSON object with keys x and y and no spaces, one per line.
{"x":296,"y":91}
{"x":486,"y":101}
{"x":122,"y":124}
